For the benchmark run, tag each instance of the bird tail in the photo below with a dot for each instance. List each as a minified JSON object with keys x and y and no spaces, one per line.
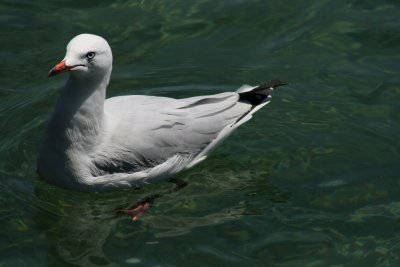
{"x":259,"y":94}
{"x":257,"y":97}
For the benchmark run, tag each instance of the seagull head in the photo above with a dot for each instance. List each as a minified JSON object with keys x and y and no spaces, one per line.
{"x":87,"y":55}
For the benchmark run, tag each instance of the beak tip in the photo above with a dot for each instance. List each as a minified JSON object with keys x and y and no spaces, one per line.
{"x":60,"y":67}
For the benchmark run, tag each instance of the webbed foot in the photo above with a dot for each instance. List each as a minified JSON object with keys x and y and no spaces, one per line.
{"x":139,"y":209}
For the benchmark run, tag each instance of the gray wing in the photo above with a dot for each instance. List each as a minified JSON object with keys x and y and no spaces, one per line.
{"x":145,"y":131}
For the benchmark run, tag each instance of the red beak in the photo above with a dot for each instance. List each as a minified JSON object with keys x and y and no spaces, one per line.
{"x":59,"y":68}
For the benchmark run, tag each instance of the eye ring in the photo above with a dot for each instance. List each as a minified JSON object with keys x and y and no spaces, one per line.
{"x":90,"y":55}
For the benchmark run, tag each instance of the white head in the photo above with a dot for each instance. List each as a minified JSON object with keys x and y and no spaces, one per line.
{"x":87,"y":55}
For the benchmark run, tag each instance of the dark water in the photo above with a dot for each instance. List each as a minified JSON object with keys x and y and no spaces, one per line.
{"x":312,"y":180}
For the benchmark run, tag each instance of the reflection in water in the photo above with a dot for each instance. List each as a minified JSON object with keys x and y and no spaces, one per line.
{"x":80,"y":226}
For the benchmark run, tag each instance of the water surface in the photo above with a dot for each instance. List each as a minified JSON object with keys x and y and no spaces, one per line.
{"x":311,"y":180}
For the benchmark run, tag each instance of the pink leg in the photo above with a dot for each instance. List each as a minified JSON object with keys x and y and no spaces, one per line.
{"x":137,"y":210}
{"x":141,"y":207}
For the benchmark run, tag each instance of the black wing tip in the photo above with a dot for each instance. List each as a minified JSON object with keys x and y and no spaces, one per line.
{"x":261,"y":93}
{"x":271,"y":84}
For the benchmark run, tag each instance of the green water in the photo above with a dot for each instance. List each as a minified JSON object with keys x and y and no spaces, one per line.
{"x":312,"y":180}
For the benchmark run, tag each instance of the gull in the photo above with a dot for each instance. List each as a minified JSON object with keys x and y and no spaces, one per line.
{"x":95,"y":144}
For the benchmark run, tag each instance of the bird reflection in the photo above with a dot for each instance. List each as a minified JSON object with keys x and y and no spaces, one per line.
{"x":77,"y":224}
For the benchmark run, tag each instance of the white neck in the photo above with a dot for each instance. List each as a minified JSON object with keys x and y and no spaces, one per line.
{"x":78,"y":116}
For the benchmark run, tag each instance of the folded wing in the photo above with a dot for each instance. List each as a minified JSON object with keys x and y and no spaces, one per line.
{"x":146,"y":131}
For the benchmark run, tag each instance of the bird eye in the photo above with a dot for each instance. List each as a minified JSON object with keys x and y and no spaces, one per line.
{"x":90,"y":55}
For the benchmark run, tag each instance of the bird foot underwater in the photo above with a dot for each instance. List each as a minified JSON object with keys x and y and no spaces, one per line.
{"x":137,"y":210}
{"x":141,"y":207}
